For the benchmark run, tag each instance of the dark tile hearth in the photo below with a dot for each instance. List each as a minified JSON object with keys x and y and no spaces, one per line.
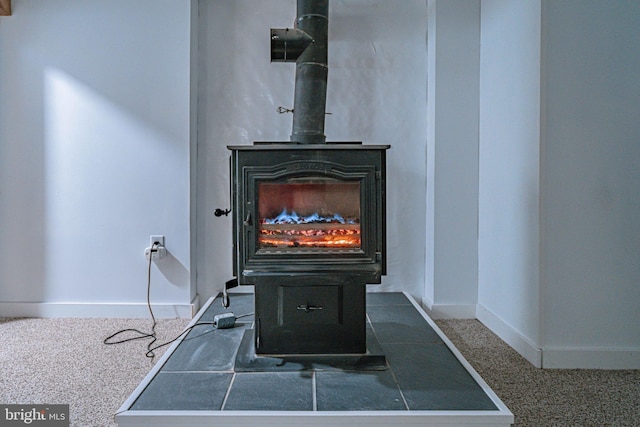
{"x":420,"y":373}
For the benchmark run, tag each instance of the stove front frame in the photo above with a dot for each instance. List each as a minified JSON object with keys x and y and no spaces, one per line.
{"x":254,"y":164}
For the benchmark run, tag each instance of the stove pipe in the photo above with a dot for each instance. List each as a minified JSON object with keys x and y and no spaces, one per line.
{"x":306,"y":44}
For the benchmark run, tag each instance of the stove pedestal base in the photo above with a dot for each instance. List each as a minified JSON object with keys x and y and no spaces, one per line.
{"x":311,"y":314}
{"x":247,"y":360}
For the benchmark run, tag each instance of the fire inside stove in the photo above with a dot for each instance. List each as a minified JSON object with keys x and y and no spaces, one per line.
{"x":309,"y":213}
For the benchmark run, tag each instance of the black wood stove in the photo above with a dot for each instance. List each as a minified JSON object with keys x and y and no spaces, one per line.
{"x":308,"y":216}
{"x":309,"y":235}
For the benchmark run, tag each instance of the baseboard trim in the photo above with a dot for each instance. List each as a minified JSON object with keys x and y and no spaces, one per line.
{"x":96,"y":310}
{"x":513,"y":338}
{"x":448,"y":311}
{"x":590,"y":358}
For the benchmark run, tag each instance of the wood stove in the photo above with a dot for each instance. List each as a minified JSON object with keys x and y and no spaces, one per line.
{"x":308,"y":216}
{"x":309,"y":227}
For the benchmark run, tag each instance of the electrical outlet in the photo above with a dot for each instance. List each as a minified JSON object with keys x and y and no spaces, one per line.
{"x":159,"y":250}
{"x":156,"y":238}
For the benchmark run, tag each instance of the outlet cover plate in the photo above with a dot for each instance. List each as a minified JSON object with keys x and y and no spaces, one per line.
{"x":156,"y":238}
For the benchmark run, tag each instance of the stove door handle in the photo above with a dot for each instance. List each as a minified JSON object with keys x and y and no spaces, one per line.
{"x":247,"y":220}
{"x":308,"y":308}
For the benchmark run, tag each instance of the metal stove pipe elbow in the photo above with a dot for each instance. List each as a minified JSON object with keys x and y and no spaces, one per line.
{"x":307,"y":43}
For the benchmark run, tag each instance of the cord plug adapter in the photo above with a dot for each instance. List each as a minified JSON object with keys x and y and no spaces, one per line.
{"x":224,"y":321}
{"x":156,"y":250}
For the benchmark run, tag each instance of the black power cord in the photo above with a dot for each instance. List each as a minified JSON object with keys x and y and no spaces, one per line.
{"x":152,"y":335}
{"x":141,"y":335}
{"x":215,"y":324}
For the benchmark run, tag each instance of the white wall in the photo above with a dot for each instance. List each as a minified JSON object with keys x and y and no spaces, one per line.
{"x":509,"y":176}
{"x":559,"y":202}
{"x":452,"y":158}
{"x":591,"y":184}
{"x":94,"y":156}
{"x":376,"y":94}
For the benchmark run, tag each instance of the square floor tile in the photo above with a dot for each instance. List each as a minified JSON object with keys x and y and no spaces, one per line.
{"x":183,"y":391}
{"x":431,"y":378}
{"x":207,"y":349}
{"x":358,"y":391}
{"x":400,"y":324}
{"x":271,"y":391}
{"x":387,"y":298}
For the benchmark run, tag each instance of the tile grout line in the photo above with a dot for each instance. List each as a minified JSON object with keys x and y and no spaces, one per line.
{"x":226,"y":396}
{"x":313,"y":391}
{"x":404,"y":400}
{"x":393,"y":375}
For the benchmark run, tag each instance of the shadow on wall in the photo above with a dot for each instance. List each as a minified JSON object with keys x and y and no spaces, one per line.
{"x":173,"y":270}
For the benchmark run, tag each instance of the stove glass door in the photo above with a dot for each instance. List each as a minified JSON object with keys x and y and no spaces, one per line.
{"x":309,"y":213}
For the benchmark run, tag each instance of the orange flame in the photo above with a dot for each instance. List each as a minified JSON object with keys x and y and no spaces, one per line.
{"x":333,"y":238}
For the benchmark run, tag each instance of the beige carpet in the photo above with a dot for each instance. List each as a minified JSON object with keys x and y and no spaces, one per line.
{"x":547,"y":397}
{"x":65,"y":361}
